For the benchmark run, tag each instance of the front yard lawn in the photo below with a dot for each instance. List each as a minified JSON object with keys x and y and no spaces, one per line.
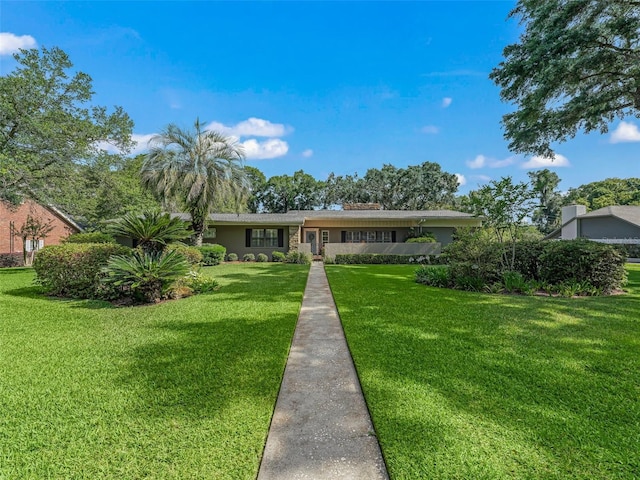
{"x":466,"y":385}
{"x":183,"y":389}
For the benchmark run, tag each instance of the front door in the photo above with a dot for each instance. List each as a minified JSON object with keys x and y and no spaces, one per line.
{"x":311,"y":237}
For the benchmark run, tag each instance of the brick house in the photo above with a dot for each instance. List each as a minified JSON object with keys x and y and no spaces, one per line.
{"x":12,"y":217}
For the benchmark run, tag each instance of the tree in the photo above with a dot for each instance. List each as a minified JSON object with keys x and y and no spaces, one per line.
{"x":46,"y":123}
{"x":257,"y":184}
{"x":194,"y":168}
{"x":103,"y":188}
{"x":298,"y":192}
{"x":32,"y":231}
{"x":612,"y":191}
{"x":504,"y":206}
{"x":417,"y":187}
{"x":574,"y":68}
{"x":546,"y":215}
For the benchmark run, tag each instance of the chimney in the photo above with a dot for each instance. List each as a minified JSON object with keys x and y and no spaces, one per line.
{"x":569,"y":218}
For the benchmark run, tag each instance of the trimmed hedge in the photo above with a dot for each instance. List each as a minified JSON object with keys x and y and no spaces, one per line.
{"x":278,"y":256}
{"x":212,"y":254}
{"x":294,"y":256}
{"x":11,"y":260}
{"x":89,"y":237}
{"x":420,"y":240}
{"x":191,"y":254}
{"x":261,"y":257}
{"x":74,"y":269}
{"x":381,"y":259}
{"x":586,"y":267}
{"x":599,"y":264}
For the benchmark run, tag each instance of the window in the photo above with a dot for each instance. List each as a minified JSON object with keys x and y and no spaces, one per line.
{"x":265,"y":237}
{"x":325,"y":236}
{"x":368,"y":236}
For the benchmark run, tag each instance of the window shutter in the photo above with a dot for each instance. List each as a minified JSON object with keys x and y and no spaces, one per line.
{"x":343,"y":236}
{"x":393,"y":236}
{"x":281,"y":237}
{"x":247,"y":242}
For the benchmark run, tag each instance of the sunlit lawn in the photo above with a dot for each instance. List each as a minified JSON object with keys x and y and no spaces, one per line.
{"x":183,"y":389}
{"x":473,"y":386}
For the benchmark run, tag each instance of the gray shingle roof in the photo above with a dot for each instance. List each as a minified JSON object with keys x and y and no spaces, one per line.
{"x":298,"y":217}
{"x":629,"y":213}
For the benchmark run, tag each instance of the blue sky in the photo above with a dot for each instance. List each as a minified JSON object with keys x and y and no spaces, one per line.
{"x":319,"y":86}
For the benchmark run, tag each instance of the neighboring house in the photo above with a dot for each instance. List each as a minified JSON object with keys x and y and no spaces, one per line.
{"x":337,"y":231}
{"x":13,"y":217}
{"x":615,"y":224}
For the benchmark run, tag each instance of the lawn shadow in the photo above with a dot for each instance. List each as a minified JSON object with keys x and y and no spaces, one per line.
{"x":549,"y":372}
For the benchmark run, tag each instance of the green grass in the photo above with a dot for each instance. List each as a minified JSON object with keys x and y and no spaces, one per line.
{"x":473,"y":386}
{"x":183,"y":389}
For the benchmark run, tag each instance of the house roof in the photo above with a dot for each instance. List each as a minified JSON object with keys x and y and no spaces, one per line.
{"x":298,"y":217}
{"x":628,"y":213}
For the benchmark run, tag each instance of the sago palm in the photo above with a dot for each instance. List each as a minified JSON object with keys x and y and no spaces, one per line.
{"x":152,"y":231}
{"x":194,"y":168}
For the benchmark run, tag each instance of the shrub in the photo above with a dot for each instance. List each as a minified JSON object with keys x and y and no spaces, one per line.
{"x":248,"y":257}
{"x":278,"y":256}
{"x":420,"y":240}
{"x":434,"y":275}
{"x":598,"y":264}
{"x":298,"y":257}
{"x":469,"y":282}
{"x":232,"y":257}
{"x":89,"y":237}
{"x":514,"y":282}
{"x":11,"y":260}
{"x":381,"y":258}
{"x":145,"y":276}
{"x":528,"y":258}
{"x":193,"y":255}
{"x":262,"y":258}
{"x":73,"y":269}
{"x":474,"y":254}
{"x":200,"y":283}
{"x":213,"y":254}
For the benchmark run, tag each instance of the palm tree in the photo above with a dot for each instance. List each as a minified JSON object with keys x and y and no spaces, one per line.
{"x":195,"y":169}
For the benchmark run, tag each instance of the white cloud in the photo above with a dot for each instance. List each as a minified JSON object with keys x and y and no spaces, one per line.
{"x":140,"y":144}
{"x":10,"y":43}
{"x":461,"y":179}
{"x":446,"y":101}
{"x":481,"y":161}
{"x":307,"y":153}
{"x":430,"y":129}
{"x":539,"y":162}
{"x":481,"y":178}
{"x":626,"y":132}
{"x":271,"y":148}
{"x":252,"y":127}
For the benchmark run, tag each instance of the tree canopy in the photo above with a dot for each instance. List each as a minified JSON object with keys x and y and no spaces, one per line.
{"x":576,"y":67}
{"x":47,"y":122}
{"x":612,"y":191}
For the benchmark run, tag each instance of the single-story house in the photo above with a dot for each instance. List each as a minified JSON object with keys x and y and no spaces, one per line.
{"x":616,"y":224}
{"x":334,"y":231}
{"x":13,"y":217}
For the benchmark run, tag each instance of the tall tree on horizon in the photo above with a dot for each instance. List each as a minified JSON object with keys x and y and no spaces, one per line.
{"x":196,"y":169}
{"x":546,"y":215}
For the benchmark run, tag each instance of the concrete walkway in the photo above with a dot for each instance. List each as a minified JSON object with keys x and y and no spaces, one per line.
{"x":321,"y":427}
